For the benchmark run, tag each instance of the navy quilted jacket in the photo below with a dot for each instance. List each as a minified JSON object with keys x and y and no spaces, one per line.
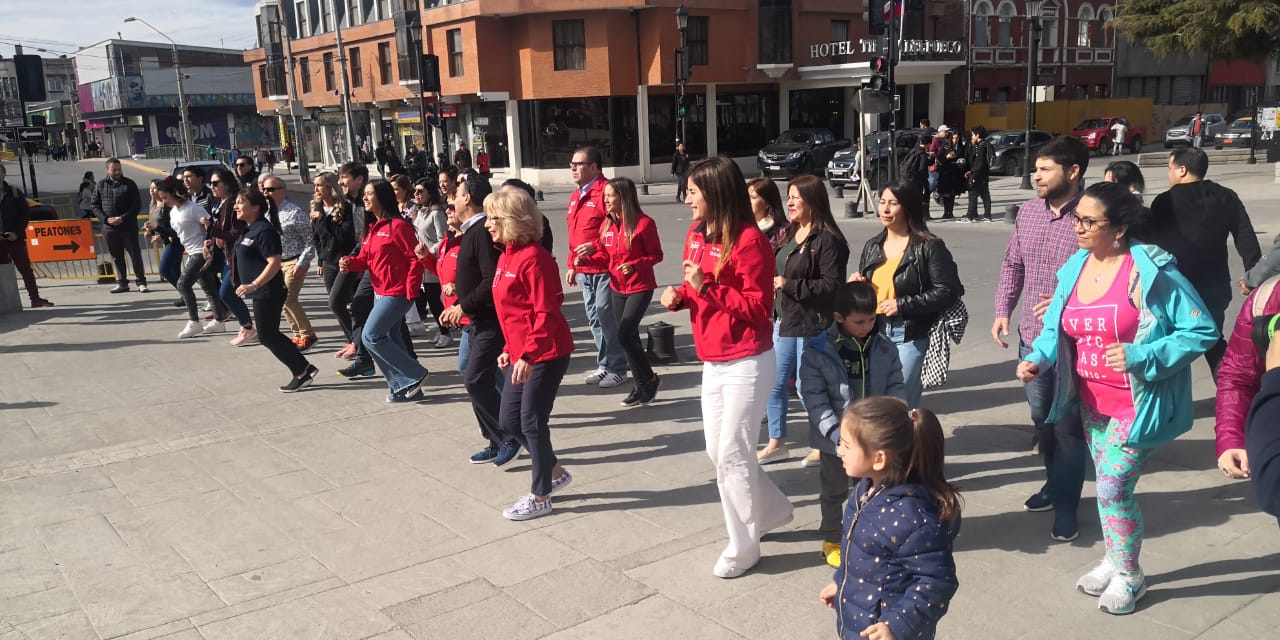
{"x":896,"y":564}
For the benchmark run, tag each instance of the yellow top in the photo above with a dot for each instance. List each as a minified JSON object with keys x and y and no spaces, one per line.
{"x":882,"y":280}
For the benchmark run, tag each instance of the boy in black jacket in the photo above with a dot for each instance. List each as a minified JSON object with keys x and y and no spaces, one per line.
{"x":979,"y":175}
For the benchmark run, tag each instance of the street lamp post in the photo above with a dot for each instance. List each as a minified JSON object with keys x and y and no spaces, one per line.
{"x":188,"y":144}
{"x":682,"y":23}
{"x":346,"y":82}
{"x":1033,"y":54}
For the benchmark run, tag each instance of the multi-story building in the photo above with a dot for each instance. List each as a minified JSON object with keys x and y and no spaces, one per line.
{"x":55,"y":112}
{"x":528,"y":81}
{"x":128,"y":97}
{"x":1074,"y":56}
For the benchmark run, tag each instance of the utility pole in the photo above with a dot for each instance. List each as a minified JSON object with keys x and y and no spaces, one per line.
{"x":299,"y":136}
{"x":26,"y":146}
{"x":346,"y":82}
{"x":1033,"y":57}
{"x":894,"y":26}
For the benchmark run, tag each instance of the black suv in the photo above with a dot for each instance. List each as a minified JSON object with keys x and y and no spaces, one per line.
{"x":798,"y":151}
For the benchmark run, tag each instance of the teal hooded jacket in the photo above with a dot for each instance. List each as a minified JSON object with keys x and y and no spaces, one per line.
{"x":1174,"y":328}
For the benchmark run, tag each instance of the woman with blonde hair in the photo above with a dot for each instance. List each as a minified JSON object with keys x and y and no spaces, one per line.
{"x":728,"y":290}
{"x":528,"y":297}
{"x":334,"y":236}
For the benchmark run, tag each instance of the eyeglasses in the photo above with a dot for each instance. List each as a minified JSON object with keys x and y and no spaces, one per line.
{"x":214,"y":183}
{"x":243,"y":164}
{"x":576,"y":165}
{"x":271,"y":189}
{"x":1088,"y":224}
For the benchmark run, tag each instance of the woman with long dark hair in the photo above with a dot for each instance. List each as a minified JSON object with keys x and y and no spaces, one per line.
{"x":396,"y":275}
{"x":432,"y":225}
{"x":188,"y":221}
{"x":631,"y":249}
{"x":224,"y":230}
{"x":258,"y":278}
{"x":811,"y":263}
{"x":766,"y":207}
{"x":334,"y":235}
{"x":159,"y":231}
{"x":1121,"y":332}
{"x":914,"y":276}
{"x":84,"y":197}
{"x":403,"y":188}
{"x":728,"y":290}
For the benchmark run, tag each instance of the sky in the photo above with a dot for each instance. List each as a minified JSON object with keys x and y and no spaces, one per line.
{"x":62,"y":26}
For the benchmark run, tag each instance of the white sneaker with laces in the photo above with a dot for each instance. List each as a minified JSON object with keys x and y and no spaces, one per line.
{"x":611,"y":380}
{"x":190,"y":331}
{"x":213,"y":326}
{"x":1123,"y":593}
{"x":596,"y":376}
{"x":1097,"y":580}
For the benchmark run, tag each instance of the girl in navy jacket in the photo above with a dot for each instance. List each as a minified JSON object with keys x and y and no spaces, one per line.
{"x":897,"y":574}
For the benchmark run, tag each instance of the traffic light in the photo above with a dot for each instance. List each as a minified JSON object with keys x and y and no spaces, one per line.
{"x":682,"y":108}
{"x":432,"y":115}
{"x":30,"y":72}
{"x":879,"y":74}
{"x":431,"y":73}
{"x":874,"y":17}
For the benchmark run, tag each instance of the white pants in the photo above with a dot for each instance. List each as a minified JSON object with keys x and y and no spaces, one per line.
{"x":733,"y":404}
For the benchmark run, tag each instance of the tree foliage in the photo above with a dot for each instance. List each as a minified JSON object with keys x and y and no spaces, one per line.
{"x":1220,"y":28}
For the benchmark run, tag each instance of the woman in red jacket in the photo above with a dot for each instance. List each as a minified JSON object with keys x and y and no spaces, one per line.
{"x":631,"y":248}
{"x":528,"y":298}
{"x":396,"y":275}
{"x":728,"y":289}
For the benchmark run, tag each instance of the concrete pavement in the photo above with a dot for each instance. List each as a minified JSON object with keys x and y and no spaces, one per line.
{"x":152,"y":488}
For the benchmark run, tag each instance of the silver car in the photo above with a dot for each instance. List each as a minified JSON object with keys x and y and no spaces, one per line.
{"x":1180,"y":132}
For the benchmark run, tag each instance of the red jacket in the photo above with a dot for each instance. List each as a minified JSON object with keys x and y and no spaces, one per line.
{"x":1240,"y":376}
{"x":446,"y":269}
{"x":387,"y":252}
{"x":732,"y":314}
{"x":642,"y":254}
{"x":528,"y":297}
{"x":586,"y":214}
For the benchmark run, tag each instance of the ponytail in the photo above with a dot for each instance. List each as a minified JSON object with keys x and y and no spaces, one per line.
{"x":913,"y":444}
{"x":926,"y":464}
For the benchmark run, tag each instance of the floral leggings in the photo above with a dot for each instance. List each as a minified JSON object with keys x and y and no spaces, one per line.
{"x":1118,"y":469}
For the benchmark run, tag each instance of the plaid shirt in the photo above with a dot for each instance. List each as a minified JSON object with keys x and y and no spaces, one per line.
{"x":1040,"y":245}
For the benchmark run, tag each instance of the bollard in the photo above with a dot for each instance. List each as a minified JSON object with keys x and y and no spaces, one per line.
{"x":1011,"y":214}
{"x":839,"y":192}
{"x":10,"y":299}
{"x":662,"y":343}
{"x":851,"y":209}
{"x":1278,"y":173}
{"x":539,"y":197}
{"x":644,"y":188}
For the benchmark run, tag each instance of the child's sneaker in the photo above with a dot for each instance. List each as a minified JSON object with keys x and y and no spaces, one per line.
{"x":1096,"y":581}
{"x":528,"y":508}
{"x":1123,"y":593}
{"x":831,"y":553}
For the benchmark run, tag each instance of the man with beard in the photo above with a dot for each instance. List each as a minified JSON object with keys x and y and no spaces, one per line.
{"x":1044,"y":237}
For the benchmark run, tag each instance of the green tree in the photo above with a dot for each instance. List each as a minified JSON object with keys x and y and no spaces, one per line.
{"x":1248,"y":29}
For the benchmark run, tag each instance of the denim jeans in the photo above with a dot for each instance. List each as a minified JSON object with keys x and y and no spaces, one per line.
{"x":233,"y":301}
{"x":193,"y":272}
{"x":385,"y":344}
{"x":1062,"y":444}
{"x":598,"y":301}
{"x":171,"y":264}
{"x":787,"y":351}
{"x":911,"y":354}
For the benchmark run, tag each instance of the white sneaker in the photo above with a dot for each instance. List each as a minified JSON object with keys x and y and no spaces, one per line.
{"x":611,"y":380}
{"x":596,"y":376}
{"x":443,"y":340}
{"x":190,"y":331}
{"x":1123,"y":593}
{"x":207,"y":306}
{"x":213,"y":326}
{"x":1097,"y":580}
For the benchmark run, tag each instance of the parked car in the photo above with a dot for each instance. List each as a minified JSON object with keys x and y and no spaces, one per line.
{"x":799,"y":151}
{"x":206,"y":166}
{"x":1238,"y":134}
{"x":1095,"y":133}
{"x":1180,"y":131}
{"x":1008,"y":146}
{"x":840,"y":171}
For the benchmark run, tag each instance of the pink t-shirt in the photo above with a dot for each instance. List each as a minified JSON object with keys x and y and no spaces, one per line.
{"x":1108,"y":320}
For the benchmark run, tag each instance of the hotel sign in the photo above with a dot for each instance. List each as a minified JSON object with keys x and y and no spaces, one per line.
{"x":876,"y":46}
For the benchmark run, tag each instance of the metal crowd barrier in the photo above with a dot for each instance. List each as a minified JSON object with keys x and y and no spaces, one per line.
{"x":101,"y":267}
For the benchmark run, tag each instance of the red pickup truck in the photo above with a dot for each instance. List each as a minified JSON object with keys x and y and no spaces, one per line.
{"x":1095,"y":133}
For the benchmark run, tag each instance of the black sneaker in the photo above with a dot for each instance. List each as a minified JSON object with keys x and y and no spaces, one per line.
{"x":506,"y":453}
{"x":358,"y":369}
{"x":1065,"y":527}
{"x":632,"y":398}
{"x":120,"y":288}
{"x":649,"y":390}
{"x":297,"y":384}
{"x":415,"y":388}
{"x":1039,"y":501}
{"x":179,"y":303}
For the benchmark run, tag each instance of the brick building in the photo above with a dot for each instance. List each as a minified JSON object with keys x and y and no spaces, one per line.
{"x":529,"y":80}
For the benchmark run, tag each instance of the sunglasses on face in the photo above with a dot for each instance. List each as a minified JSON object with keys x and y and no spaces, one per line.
{"x":215,"y":182}
{"x":243,"y":164}
{"x":271,"y":189}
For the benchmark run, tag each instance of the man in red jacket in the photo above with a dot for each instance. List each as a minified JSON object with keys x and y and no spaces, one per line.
{"x":586,"y":214}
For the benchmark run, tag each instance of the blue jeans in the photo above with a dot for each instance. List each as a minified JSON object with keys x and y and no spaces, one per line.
{"x":788,"y":351}
{"x":911,"y":354}
{"x":385,"y":343}
{"x":597,"y":299}
{"x":1062,"y":443}
{"x":464,"y":351}
{"x":171,"y":263}
{"x":233,"y":301}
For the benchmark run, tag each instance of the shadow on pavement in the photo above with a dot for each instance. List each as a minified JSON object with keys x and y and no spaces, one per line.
{"x":1226,"y":583}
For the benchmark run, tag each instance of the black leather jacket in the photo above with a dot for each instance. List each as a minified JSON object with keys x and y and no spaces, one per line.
{"x":814,"y":270}
{"x":926,"y":282}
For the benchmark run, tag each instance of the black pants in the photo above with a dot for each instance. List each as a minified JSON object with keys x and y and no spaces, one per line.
{"x":118,"y":242}
{"x":629,"y":310}
{"x":361,"y":307}
{"x":833,"y":493}
{"x":266,"y":319}
{"x":526,"y":417}
{"x":193,"y":271}
{"x":979,"y":189}
{"x":949,"y":206}
{"x":481,"y":376}
{"x":430,"y":299}
{"x":1217,"y":299}
{"x":682,"y":186}
{"x":341,"y":286}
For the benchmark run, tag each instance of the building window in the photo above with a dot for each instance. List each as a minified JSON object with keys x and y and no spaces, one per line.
{"x":552,"y":129}
{"x":384,"y":63}
{"x":839,"y":33}
{"x":1002,"y":94}
{"x":745,"y":122}
{"x":326,"y":19}
{"x":384,"y":9}
{"x":262,"y":81}
{"x":1104,"y":23}
{"x":301,"y":13}
{"x":357,"y":71}
{"x":982,"y":24}
{"x":569,"y":40}
{"x":304,"y":70}
{"x":56,"y":84}
{"x":454,"y":39}
{"x":697,"y":39}
{"x":775,"y":31}
{"x":980,"y":94}
{"x":1004,"y":37}
{"x":328,"y":72}
{"x":355,"y":15}
{"x":1049,"y":26}
{"x":1084,"y":28}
